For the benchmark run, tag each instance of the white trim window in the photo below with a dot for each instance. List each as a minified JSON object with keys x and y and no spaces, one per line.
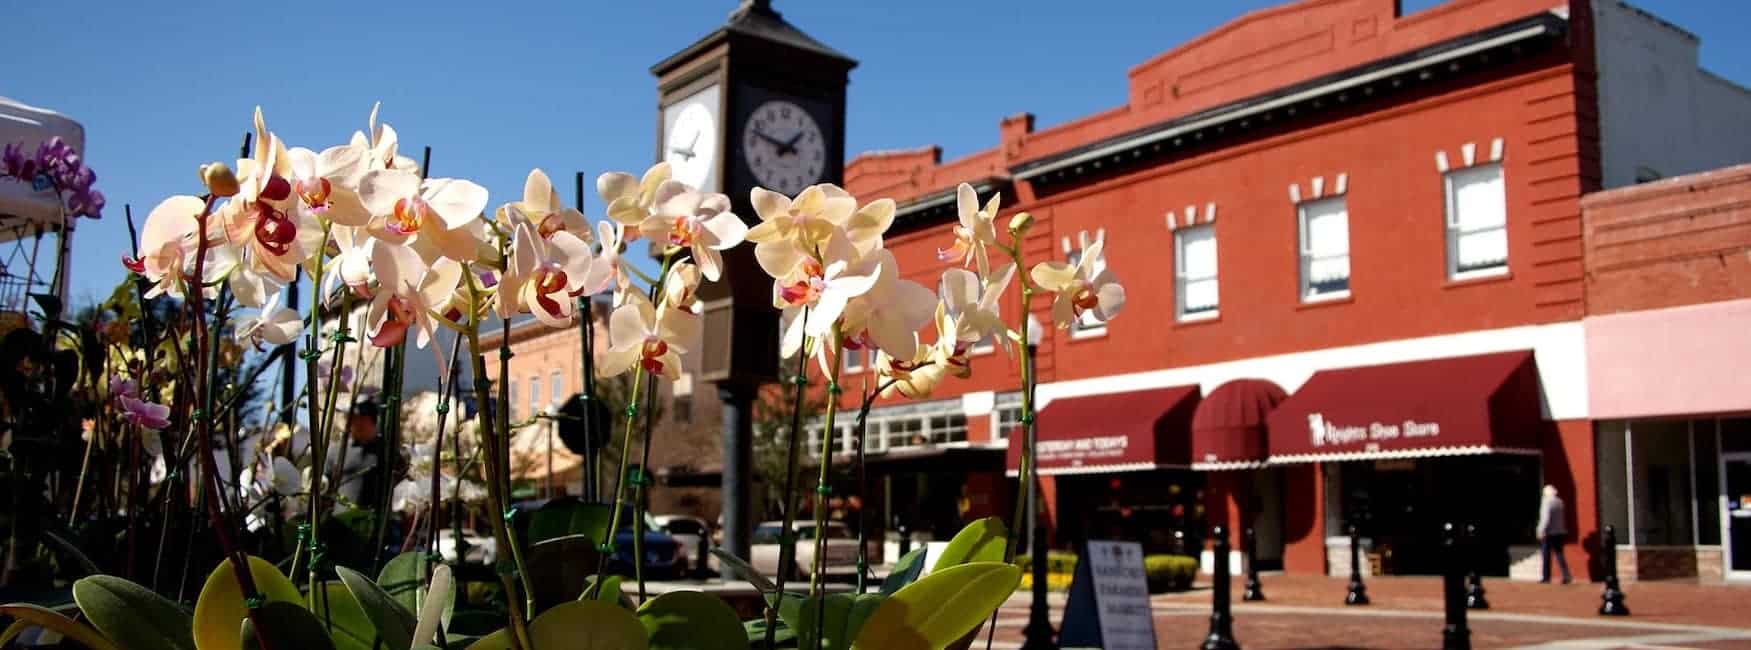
{"x":1194,"y":270}
{"x":512,"y":397}
{"x":1006,"y":415}
{"x":1325,"y":248}
{"x":534,"y":396}
{"x":1477,"y":221}
{"x":556,"y":386}
{"x":853,"y":360}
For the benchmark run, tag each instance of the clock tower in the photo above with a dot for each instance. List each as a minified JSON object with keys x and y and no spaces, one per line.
{"x":754,"y":103}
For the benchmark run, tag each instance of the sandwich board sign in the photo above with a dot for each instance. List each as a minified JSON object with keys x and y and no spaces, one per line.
{"x":1108,"y":606}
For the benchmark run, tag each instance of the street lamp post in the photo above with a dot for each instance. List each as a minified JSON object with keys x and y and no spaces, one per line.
{"x":1358,"y":591}
{"x":1221,"y":635}
{"x":1254,"y":590}
{"x":1613,"y":596}
{"x":1456,"y":634}
{"x":1039,"y":633}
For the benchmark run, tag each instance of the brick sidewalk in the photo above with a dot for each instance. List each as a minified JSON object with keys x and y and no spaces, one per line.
{"x":1308,"y":613}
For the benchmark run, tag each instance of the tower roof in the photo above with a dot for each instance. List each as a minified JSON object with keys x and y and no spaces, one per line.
{"x":755,"y":19}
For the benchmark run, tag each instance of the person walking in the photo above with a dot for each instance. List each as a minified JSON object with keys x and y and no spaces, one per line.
{"x":1552,"y":532}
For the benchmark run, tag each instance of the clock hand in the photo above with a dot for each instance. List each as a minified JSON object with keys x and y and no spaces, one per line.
{"x":685,"y":153}
{"x":775,"y":141}
{"x":694,"y":141}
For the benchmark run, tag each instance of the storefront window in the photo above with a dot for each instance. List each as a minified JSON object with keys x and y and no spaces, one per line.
{"x":1708,"y":459}
{"x":1659,"y":480}
{"x":1613,"y":481}
{"x":948,"y":428}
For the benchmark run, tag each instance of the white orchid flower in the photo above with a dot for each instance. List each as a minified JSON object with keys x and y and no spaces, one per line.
{"x":792,"y":230}
{"x":975,"y":308}
{"x":823,"y":288}
{"x":438,"y":216}
{"x":543,"y":207}
{"x":379,"y":149}
{"x":546,"y":274}
{"x":168,"y":243}
{"x":638,"y":334}
{"x":697,"y":221}
{"x":275,"y":325}
{"x":888,"y":316}
{"x":680,"y":288}
{"x":1077,"y":289}
{"x":351,"y":263}
{"x":975,"y":232}
{"x":610,"y":274}
{"x":869,"y":224}
{"x":631,"y":200}
{"x":408,"y":293}
{"x":327,"y":184}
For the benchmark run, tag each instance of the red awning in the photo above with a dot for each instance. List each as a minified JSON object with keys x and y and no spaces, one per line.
{"x":1443,"y":407}
{"x":1115,"y":432}
{"x":1228,"y":431}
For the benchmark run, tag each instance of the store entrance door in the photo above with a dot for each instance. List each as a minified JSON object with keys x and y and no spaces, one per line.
{"x":1736,"y":474}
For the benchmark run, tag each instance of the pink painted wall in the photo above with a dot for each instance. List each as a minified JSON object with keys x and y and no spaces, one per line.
{"x":1673,"y":361}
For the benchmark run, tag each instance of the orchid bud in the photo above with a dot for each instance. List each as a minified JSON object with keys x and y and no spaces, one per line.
{"x":1020,"y":223}
{"x":219,"y":179}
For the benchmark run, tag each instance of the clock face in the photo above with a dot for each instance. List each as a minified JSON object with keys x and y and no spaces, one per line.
{"x":690,"y":139}
{"x":784,"y":147}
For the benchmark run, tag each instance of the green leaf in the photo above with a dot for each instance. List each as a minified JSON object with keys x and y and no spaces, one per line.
{"x":905,"y":572}
{"x":940,"y":608}
{"x":844,"y":616}
{"x":577,"y":625}
{"x":341,"y":614}
{"x":563,"y":517}
{"x":756,"y":629}
{"x":733,"y":564}
{"x":219,"y":611}
{"x":980,"y":541}
{"x":610,"y":592}
{"x":285,"y":625}
{"x":394,"y":623}
{"x":25,"y":614}
{"x":560,"y":569}
{"x":691,"y":620}
{"x":405,"y":577}
{"x":124,"y":610}
{"x":78,"y":556}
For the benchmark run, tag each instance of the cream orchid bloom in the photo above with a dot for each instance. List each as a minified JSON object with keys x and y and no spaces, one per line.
{"x":916,"y":374}
{"x":680,"y":287}
{"x":975,"y":309}
{"x":867,"y":226}
{"x":823,"y":288}
{"x":408,"y":293}
{"x":548,"y":273}
{"x":1078,"y":289}
{"x":276,"y":325}
{"x":699,"y":222}
{"x":887,"y":317}
{"x":975,"y":232}
{"x":437,"y":216}
{"x":167,"y":238}
{"x":327,"y":184}
{"x":638,"y":334}
{"x":630,"y":200}
{"x":791,"y":230}
{"x":379,"y":149}
{"x":609,"y":274}
{"x":351,"y":263}
{"x":543,"y":207}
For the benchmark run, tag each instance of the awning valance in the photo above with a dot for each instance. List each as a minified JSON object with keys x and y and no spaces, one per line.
{"x":1479,"y":404}
{"x":1114,"y":432}
{"x":1228,"y":431}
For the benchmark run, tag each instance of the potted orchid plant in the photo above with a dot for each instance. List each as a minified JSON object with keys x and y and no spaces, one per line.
{"x":398,"y":257}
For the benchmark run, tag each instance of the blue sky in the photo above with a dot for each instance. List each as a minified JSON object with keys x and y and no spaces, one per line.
{"x":497,"y":90}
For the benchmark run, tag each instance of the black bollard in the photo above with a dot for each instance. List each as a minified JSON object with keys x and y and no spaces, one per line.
{"x":1254,"y":591}
{"x":1474,"y":594}
{"x":1358,"y":592}
{"x":906,"y":537}
{"x":1613,"y":596}
{"x":1455,"y":635}
{"x":1221,"y":622}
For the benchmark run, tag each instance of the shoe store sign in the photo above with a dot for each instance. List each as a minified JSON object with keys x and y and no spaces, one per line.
{"x":1327,"y":433}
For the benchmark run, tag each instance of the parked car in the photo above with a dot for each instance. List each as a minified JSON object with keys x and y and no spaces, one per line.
{"x":664,"y":558}
{"x":480,"y":549}
{"x":841,"y":554}
{"x":692,"y":533}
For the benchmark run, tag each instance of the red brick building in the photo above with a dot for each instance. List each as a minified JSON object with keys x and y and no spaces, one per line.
{"x":1353,"y":244}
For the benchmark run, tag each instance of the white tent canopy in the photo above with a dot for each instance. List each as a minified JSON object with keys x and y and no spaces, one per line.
{"x":20,"y":122}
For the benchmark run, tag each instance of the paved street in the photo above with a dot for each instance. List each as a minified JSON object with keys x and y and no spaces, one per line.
{"x":1307,"y":613}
